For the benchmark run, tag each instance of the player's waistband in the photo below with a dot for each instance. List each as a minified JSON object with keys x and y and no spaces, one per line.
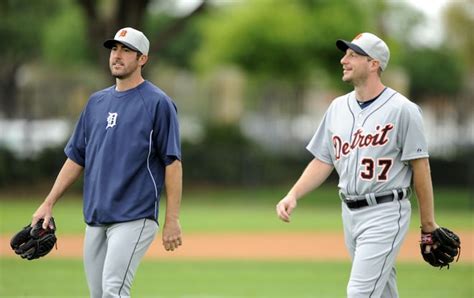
{"x":356,"y":202}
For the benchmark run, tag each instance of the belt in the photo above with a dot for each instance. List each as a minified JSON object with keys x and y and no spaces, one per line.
{"x":356,"y":204}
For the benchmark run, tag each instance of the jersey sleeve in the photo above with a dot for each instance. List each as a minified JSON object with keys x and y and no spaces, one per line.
{"x":319,"y":145}
{"x":167,"y":136}
{"x":412,"y":135}
{"x":76,"y":147}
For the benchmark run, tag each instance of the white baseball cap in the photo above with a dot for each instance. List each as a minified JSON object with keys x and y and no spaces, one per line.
{"x":367,"y":44}
{"x":131,"y":38}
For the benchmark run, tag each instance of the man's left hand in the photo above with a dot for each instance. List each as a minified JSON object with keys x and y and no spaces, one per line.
{"x":172,"y":235}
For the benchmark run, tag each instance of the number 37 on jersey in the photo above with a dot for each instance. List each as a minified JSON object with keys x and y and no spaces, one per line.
{"x":371,"y":168}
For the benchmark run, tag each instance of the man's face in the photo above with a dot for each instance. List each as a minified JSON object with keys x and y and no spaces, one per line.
{"x":355,"y":67}
{"x":123,"y":62}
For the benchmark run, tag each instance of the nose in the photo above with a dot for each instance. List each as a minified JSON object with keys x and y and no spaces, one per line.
{"x":343,"y":59}
{"x":116,"y":54}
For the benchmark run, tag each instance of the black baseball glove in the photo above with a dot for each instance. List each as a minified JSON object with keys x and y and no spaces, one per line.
{"x":440,"y":247}
{"x":34,"y":242}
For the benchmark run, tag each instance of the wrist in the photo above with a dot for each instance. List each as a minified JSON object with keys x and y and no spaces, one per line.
{"x":292,"y":195}
{"x":49,"y":202}
{"x":171,"y":218}
{"x":428,"y":227}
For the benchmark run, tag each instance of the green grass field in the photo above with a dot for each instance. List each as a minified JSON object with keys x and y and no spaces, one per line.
{"x":250,"y":210}
{"x":64,"y":278}
{"x":240,"y":210}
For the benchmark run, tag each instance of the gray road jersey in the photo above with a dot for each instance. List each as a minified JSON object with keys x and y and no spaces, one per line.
{"x":370,"y":148}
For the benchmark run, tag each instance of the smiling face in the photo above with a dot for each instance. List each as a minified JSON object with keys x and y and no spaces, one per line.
{"x":356,"y":67}
{"x":124,"y":62}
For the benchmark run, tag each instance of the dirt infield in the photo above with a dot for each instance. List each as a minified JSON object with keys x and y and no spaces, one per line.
{"x":257,"y":246}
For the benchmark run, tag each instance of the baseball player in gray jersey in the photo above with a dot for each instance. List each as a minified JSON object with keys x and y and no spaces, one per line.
{"x":373,"y":137}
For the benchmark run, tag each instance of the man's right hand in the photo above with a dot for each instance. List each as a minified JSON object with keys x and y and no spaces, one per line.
{"x":285,"y":207}
{"x":44,"y":211}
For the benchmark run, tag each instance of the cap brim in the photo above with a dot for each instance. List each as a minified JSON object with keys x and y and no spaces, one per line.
{"x":343,"y":45}
{"x":110,"y":43}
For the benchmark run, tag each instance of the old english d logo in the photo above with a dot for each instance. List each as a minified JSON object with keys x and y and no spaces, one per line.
{"x":111,"y":120}
{"x":123,"y":33}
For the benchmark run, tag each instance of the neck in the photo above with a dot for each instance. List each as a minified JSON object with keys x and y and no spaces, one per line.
{"x":125,"y":84}
{"x":369,"y":90}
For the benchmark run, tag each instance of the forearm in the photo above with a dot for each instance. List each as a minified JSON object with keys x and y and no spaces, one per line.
{"x":313,"y":176}
{"x":424,"y":193}
{"x":174,"y":185}
{"x":69,"y":173}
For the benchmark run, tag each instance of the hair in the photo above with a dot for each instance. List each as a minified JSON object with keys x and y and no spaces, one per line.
{"x":379,"y":70}
{"x":139,"y":54}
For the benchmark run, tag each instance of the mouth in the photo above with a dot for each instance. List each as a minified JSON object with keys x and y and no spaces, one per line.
{"x":117,"y":68}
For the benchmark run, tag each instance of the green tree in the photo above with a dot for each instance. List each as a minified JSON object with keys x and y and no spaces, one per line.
{"x":433,"y":72}
{"x":280,"y":39}
{"x":71,"y":32}
{"x":103,"y":18}
{"x":458,"y":18}
{"x":459,"y":21}
{"x":64,"y":39}
{"x":281,"y":45}
{"x":21,"y":24}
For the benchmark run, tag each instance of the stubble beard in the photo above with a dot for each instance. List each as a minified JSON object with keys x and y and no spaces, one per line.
{"x":121,"y":76}
{"x":347,"y":79}
{"x":355,"y":80}
{"x":123,"y":73}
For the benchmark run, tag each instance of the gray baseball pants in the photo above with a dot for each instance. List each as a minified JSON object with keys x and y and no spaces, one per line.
{"x":374,"y":236}
{"x":112,"y":254}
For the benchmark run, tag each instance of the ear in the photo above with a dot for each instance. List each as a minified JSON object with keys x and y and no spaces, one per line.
{"x":375,"y":65}
{"x":143,"y":59}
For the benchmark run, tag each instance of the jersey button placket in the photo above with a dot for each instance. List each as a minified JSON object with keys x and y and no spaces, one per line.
{"x":359,"y":119}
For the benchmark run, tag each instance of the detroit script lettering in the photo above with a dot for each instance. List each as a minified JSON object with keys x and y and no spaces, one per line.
{"x":362,"y":140}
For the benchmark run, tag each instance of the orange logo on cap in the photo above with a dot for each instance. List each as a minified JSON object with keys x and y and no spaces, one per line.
{"x":358,"y":36}
{"x":123,"y":33}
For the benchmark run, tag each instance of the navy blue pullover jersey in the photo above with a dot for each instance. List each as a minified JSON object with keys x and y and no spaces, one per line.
{"x":124,"y":141}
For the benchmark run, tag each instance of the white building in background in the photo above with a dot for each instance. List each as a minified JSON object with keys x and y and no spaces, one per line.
{"x":283,"y":133}
{"x":292,"y":133}
{"x":26,"y":138}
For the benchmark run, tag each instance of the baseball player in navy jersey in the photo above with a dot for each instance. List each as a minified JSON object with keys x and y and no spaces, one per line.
{"x":127,"y":143}
{"x":373,"y":137}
